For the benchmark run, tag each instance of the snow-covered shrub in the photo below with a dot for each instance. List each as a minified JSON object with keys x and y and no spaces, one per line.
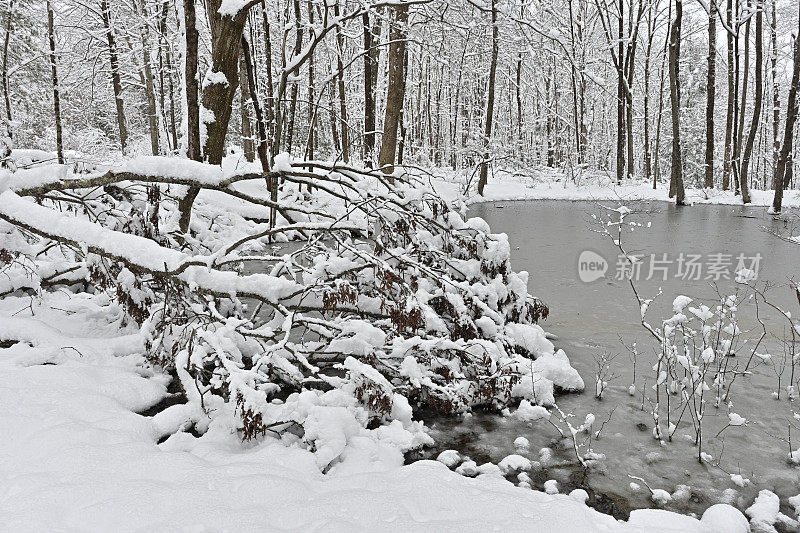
{"x":696,"y":346}
{"x":380,"y":295}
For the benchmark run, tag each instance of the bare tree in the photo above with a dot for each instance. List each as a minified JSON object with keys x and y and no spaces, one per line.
{"x":51,"y":35}
{"x":147,"y":73}
{"x":248,"y":145}
{"x":487,"y":132}
{"x":783,"y":169}
{"x":726,"y":163}
{"x":676,"y":175}
{"x":711,"y":93}
{"x":6,"y":43}
{"x":220,"y":84}
{"x":370,"y":77}
{"x":116,"y":82}
{"x":192,"y":108}
{"x":395,"y":91}
{"x":759,"y":96}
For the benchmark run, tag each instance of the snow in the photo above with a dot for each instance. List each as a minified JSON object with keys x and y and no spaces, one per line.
{"x":77,"y":445}
{"x":282,"y":162}
{"x":542,"y":183}
{"x":661,"y":497}
{"x":794,"y":501}
{"x":231,"y":8}
{"x":449,"y":458}
{"x":764,"y":512}
{"x":214,"y":78}
{"x":579,"y":495}
{"x":735,"y":419}
{"x":83,"y":460}
{"x":680,"y":303}
{"x":174,"y":168}
{"x":551,"y":486}
{"x":739,"y":480}
{"x":528,"y":413}
{"x":514,"y":463}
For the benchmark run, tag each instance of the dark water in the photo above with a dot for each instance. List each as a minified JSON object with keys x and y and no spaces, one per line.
{"x":547,"y":238}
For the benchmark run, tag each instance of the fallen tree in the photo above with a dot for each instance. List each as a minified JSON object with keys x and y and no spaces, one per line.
{"x":368,"y":293}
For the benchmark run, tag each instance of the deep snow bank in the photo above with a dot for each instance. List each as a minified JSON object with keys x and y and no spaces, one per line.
{"x":76,"y":458}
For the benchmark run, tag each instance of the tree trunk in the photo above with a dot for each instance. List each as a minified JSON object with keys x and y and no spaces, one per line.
{"x":191,"y":84}
{"x":648,"y":164}
{"x":621,"y":100}
{"x":395,"y":91}
{"x":759,"y":95}
{"x":401,"y":142}
{"x":776,"y":99}
{"x":298,"y":45}
{"x":245,"y":92}
{"x":192,"y":109}
{"x":149,"y":84}
{"x":51,"y":34}
{"x":6,"y":42}
{"x":577,"y":116}
{"x":173,"y":129}
{"x":783,"y":171}
{"x":487,"y":133}
{"x":115,"y":77}
{"x":742,"y":108}
{"x":369,"y":92}
{"x":250,"y":85}
{"x":520,"y":129}
{"x":711,"y":94}
{"x":676,"y":176}
{"x":548,"y":82}
{"x":729,"y":123}
{"x":342,"y":93}
{"x":219,"y":87}
{"x":271,"y":107}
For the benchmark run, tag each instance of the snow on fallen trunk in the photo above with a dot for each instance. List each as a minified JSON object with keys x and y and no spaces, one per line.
{"x":388,"y":299}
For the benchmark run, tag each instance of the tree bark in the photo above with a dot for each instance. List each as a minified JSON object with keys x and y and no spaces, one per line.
{"x":298,"y":45}
{"x":676,"y":176}
{"x":51,"y":34}
{"x":191,"y":83}
{"x":487,"y":133}
{"x":395,"y":91}
{"x":729,"y":122}
{"x":149,"y":83}
{"x":217,"y":97}
{"x":621,"y":99}
{"x":757,"y":103}
{"x":776,"y":99}
{"x":192,"y":109}
{"x":741,"y":110}
{"x":783,"y":171}
{"x":270,"y":107}
{"x":6,"y":42}
{"x":245,"y":92}
{"x":115,"y":77}
{"x":342,"y":93}
{"x":250,"y":85}
{"x":711,"y":94}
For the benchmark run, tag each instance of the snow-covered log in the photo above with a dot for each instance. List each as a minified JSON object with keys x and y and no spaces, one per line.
{"x":380,"y":291}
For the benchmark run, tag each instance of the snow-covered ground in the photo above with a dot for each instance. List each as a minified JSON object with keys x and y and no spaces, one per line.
{"x":75,"y":456}
{"x":552,"y":184}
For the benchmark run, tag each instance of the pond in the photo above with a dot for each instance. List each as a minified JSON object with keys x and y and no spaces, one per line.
{"x":589,"y":319}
